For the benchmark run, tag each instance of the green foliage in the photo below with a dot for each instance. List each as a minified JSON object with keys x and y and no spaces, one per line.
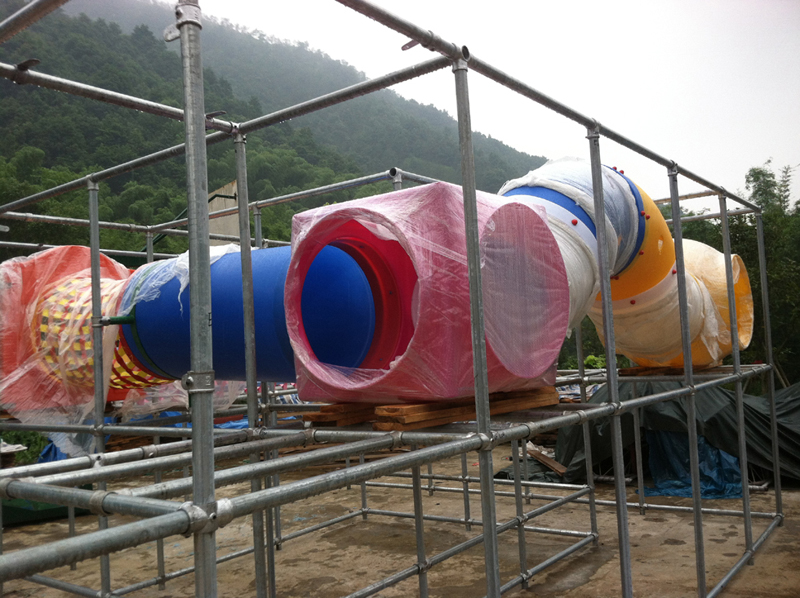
{"x":33,"y":440}
{"x":595,"y":362}
{"x":781,"y":221}
{"x":52,"y":138}
{"x":377,"y":131}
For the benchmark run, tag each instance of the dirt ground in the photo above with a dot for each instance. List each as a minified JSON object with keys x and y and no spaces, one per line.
{"x":348,"y":556}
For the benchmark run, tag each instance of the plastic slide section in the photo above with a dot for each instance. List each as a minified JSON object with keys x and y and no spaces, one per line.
{"x":411,"y":245}
{"x":643,"y":275}
{"x":338,"y":307}
{"x":371,"y":303}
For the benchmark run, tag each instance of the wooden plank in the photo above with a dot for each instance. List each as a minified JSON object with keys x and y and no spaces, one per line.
{"x":416,"y":419}
{"x":547,"y":461}
{"x":468,"y":411}
{"x":348,"y":420}
{"x":409,"y":409}
{"x":547,"y":392}
{"x":325,"y":416}
{"x":344,"y":407}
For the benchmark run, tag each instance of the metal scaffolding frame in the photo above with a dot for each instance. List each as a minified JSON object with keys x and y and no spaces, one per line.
{"x":161,"y":517}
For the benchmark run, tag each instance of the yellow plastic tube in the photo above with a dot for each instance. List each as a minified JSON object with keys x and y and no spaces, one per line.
{"x":645,"y":301}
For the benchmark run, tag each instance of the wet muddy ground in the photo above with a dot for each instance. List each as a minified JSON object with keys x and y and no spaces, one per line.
{"x":348,"y":556}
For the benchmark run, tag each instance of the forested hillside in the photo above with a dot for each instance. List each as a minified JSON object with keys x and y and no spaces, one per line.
{"x":50,"y":138}
{"x":378,"y":131}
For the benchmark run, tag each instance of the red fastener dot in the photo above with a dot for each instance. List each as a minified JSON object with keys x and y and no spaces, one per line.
{"x":574,"y":221}
{"x":614,"y":167}
{"x":642,"y":212}
{"x":633,"y":301}
{"x":647,"y":217}
{"x":674,"y":271}
{"x":641,"y":253}
{"x":622,"y":172}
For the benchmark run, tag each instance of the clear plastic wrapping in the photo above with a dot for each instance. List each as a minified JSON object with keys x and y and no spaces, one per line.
{"x":525,"y":294}
{"x":46,"y":345}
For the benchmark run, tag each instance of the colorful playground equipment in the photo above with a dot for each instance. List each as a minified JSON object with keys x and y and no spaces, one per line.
{"x":371,"y":303}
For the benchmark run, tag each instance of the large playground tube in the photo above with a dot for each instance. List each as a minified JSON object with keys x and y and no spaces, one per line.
{"x":372,"y":302}
{"x":644,"y":285}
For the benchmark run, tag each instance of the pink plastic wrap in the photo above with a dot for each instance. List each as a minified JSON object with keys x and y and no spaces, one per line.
{"x":411,"y":245}
{"x":46,"y":352}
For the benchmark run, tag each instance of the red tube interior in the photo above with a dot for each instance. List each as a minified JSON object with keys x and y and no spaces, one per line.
{"x":392,"y":278}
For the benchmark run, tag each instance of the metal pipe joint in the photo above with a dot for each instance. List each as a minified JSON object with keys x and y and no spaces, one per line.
{"x":96,"y":503}
{"x":397,"y":440}
{"x":488,"y":441}
{"x":4,"y":483}
{"x":460,"y":64}
{"x":424,"y":566}
{"x":188,"y":11}
{"x":198,"y":382}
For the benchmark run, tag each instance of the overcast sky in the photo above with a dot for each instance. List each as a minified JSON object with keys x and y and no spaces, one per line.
{"x":711,"y":84}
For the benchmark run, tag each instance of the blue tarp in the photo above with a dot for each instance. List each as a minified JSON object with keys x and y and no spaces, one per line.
{"x":720,"y":476}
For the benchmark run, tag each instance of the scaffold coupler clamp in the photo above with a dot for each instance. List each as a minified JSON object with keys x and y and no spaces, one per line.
{"x":424,"y":566}
{"x":397,"y":439}
{"x":218,"y":514}
{"x":583,"y":417}
{"x":593,"y":130}
{"x":198,"y":518}
{"x":4,"y":482}
{"x":197,"y":382}
{"x":150,"y":451}
{"x":487,"y":441}
{"x":96,"y":502}
{"x":186,"y":11}
{"x":310,"y":436}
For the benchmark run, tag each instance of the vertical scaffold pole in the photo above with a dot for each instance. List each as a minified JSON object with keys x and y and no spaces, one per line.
{"x":419,"y":529}
{"x":364,"y":508}
{"x":516,"y":457}
{"x":737,"y":369}
{"x":593,"y":135}
{"x":200,"y":381}
{"x":465,"y":490}
{"x":691,"y":413}
{"x":587,"y":437}
{"x":267,"y":398}
{"x":773,"y":416}
{"x":488,"y":507}
{"x":397,"y":179}
{"x":97,"y":360}
{"x":259,"y":234}
{"x":637,"y":439}
{"x":149,"y":246}
{"x":160,"y":556}
{"x":243,"y":201}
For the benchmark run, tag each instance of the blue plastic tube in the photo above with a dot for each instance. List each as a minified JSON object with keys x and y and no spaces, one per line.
{"x":337,"y":306}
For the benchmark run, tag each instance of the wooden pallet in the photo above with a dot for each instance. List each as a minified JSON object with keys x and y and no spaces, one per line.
{"x":412,"y":417}
{"x":345,"y":414}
